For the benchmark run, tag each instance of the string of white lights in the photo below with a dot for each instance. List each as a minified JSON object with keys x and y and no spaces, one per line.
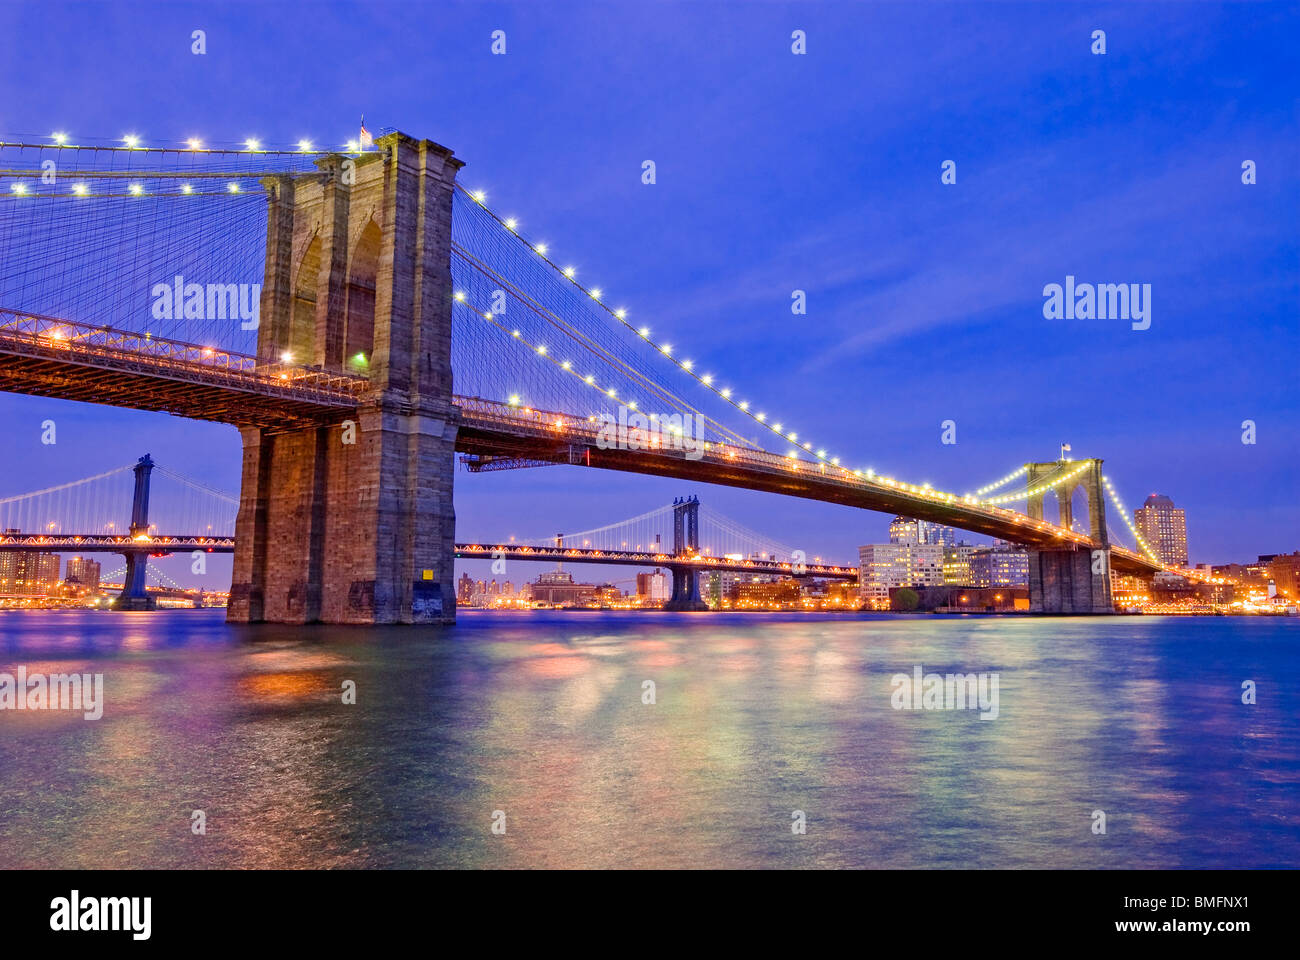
{"x":1041,"y":488}
{"x":1001,"y":483}
{"x":1114,"y":496}
{"x":687,"y":366}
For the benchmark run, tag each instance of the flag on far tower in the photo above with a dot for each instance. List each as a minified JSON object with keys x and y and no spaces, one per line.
{"x":366,"y":139}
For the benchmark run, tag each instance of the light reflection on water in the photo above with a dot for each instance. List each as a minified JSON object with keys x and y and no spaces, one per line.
{"x":756,"y":716}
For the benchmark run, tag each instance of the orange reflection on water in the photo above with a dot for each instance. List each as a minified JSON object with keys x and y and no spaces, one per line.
{"x":285,"y":686}
{"x":554,"y":661}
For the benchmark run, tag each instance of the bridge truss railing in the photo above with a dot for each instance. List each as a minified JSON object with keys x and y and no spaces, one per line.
{"x":51,"y":338}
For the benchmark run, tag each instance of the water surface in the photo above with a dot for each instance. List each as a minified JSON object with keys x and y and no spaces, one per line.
{"x":541,"y":716}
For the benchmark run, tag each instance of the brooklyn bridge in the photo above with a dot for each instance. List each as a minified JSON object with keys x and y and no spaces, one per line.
{"x":400,"y":322}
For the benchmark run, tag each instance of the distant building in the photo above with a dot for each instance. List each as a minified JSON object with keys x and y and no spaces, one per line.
{"x":653,"y":587}
{"x":83,"y":575}
{"x":1164,"y":527}
{"x":1286,"y":574}
{"x":956,"y":564}
{"x":557,"y":589}
{"x":464,"y":589}
{"x":719,"y":588}
{"x":22,"y":572}
{"x":752,"y":593}
{"x":909,"y":530}
{"x":1002,"y":565}
{"x":902,"y":564}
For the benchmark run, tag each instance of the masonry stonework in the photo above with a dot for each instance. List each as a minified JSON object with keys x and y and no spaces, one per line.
{"x":1070,"y":580}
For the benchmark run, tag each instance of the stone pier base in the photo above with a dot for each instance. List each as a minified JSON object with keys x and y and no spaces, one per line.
{"x":1066,"y":581}
{"x":348,"y":533}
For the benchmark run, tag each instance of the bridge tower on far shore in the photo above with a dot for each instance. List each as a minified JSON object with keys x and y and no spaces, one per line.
{"x":686,"y":542}
{"x":133,"y":595}
{"x":1070,"y":580}
{"x":352,"y":521}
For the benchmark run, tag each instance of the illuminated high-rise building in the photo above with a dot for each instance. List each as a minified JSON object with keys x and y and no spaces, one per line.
{"x":83,"y":574}
{"x":1164,"y":527}
{"x":909,"y":530}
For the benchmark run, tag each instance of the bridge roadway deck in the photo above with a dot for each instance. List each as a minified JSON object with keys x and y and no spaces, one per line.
{"x":103,"y":543}
{"x":497,"y":429}
{"x":45,"y":356}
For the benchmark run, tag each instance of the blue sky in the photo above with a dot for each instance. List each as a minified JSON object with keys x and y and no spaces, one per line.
{"x":778,"y":172}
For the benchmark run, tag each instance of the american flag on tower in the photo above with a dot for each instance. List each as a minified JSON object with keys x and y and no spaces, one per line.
{"x":366,"y":139}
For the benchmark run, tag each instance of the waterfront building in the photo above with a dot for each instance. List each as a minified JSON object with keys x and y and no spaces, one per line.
{"x":83,"y":575}
{"x":759,"y":593}
{"x":653,"y":587}
{"x":558,"y":589}
{"x":1164,"y":527}
{"x":900,"y":564}
{"x":23,"y":573}
{"x":1002,"y":565}
{"x":956,"y":564}
{"x":909,"y":530}
{"x":1285,"y":571}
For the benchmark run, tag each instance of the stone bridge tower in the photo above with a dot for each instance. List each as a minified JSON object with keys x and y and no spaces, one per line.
{"x":352,"y":521}
{"x":1070,"y":580}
